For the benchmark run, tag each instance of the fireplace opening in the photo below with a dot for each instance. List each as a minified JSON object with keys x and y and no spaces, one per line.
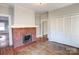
{"x":27,"y":38}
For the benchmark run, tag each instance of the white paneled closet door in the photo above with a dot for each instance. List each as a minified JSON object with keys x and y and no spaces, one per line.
{"x":67,"y":26}
{"x":75,"y":26}
{"x":59,"y":35}
{"x":59,"y":24}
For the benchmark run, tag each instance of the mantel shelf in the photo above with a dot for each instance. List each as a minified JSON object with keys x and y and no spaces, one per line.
{"x":23,"y":26}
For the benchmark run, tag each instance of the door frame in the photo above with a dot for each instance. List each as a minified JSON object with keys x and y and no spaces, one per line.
{"x":43,"y":20}
{"x":10,"y":29}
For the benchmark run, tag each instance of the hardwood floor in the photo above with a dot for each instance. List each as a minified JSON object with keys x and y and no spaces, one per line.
{"x":7,"y":51}
{"x":44,"y":47}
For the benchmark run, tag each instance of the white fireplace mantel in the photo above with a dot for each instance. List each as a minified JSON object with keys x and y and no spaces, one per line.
{"x":13,"y":26}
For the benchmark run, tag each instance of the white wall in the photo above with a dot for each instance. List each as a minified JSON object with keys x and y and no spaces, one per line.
{"x":23,"y":16}
{"x":64,"y":25}
{"x":4,"y":9}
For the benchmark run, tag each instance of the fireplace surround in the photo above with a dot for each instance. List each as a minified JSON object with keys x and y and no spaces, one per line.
{"x":18,"y":35}
{"x":27,"y":38}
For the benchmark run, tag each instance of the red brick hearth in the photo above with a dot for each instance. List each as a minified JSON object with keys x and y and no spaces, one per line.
{"x":18,"y":33}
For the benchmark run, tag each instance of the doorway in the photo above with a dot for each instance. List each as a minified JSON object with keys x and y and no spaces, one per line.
{"x":4,"y":31}
{"x":44,"y":28}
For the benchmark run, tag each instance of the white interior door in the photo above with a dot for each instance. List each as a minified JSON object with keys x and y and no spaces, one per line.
{"x":44,"y":28}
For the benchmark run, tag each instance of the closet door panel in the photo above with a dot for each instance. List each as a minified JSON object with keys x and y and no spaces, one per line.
{"x":67,"y":25}
{"x":75,"y":26}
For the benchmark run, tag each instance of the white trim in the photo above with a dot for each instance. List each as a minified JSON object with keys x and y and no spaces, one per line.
{"x":10,"y":33}
{"x":14,"y":26}
{"x":5,"y":15}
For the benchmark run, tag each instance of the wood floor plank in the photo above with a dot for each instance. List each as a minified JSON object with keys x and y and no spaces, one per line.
{"x":44,"y":47}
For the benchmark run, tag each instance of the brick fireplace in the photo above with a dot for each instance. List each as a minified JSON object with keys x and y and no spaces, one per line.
{"x":23,"y":36}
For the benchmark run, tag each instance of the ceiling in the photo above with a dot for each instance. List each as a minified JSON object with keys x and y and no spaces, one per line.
{"x":42,"y":7}
{"x":37,"y":7}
